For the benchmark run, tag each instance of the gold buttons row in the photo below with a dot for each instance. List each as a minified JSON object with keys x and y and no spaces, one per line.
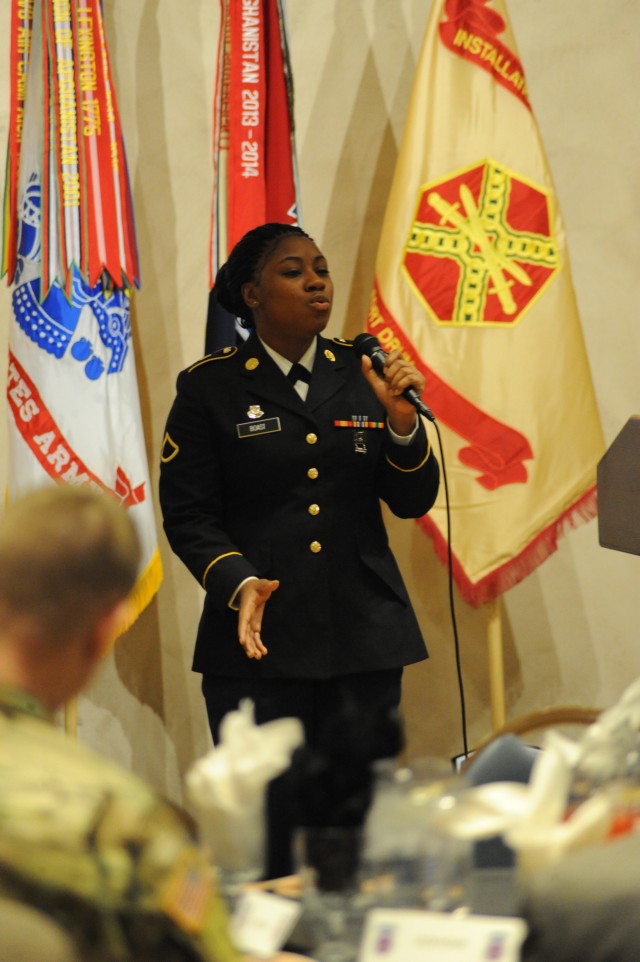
{"x":313,"y":509}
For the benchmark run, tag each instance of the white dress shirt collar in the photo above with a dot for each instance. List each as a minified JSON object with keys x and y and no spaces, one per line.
{"x":285,"y":365}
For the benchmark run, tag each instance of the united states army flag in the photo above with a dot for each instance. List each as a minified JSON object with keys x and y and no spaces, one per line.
{"x":69,"y":253}
{"x":473,"y":282}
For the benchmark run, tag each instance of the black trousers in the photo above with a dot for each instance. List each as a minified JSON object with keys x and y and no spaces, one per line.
{"x":314,"y":702}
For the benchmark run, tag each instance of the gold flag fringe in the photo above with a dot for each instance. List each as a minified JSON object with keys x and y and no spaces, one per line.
{"x":516,"y":569}
{"x":143,"y":591}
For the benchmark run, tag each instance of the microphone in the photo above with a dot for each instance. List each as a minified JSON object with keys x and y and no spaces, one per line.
{"x":370,"y":345}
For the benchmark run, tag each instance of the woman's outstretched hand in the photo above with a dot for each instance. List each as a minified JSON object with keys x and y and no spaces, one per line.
{"x":253,"y":597}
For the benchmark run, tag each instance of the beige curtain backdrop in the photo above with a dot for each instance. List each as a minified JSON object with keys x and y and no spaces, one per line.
{"x":571,"y":628}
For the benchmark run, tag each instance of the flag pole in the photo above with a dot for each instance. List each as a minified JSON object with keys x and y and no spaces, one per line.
{"x":496,"y":663}
{"x":71,"y":717}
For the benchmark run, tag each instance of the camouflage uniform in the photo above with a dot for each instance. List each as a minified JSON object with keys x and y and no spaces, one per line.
{"x":92,"y":846}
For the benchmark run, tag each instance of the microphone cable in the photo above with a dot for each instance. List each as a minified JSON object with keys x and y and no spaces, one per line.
{"x":452,"y":607}
{"x":368,"y":344}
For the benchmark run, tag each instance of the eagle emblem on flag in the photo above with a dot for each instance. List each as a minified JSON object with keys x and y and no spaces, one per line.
{"x":98,"y":338}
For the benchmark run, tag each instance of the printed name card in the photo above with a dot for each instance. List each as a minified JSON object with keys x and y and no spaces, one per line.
{"x":398,"y":935}
{"x":262,"y":922}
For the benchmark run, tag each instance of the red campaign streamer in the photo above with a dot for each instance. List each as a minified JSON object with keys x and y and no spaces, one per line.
{"x":496,"y":450}
{"x":101,"y":239}
{"x":281,"y":195}
{"x":247,"y":119}
{"x":255,"y":177}
{"x":125,"y":224}
{"x":90,"y":98}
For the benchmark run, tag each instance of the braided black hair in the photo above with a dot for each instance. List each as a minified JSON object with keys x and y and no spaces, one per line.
{"x":244,"y":263}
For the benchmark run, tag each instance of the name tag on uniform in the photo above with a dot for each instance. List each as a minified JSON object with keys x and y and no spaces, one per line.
{"x":252,"y":428}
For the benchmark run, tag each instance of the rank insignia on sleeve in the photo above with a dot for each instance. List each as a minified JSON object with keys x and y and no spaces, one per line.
{"x":169,"y":449}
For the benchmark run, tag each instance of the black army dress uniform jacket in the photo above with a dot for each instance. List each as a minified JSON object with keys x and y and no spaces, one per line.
{"x":255,"y":481}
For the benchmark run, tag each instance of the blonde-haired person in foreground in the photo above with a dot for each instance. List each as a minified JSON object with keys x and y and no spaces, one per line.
{"x":82,"y":840}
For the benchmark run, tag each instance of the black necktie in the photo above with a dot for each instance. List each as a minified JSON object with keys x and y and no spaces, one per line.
{"x":299,"y":373}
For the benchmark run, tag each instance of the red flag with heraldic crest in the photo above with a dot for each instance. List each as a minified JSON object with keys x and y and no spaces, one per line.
{"x":473,"y":283}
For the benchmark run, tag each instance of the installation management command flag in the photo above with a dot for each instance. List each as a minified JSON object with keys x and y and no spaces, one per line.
{"x":473,"y":283}
{"x":69,"y":251}
{"x":255,"y":176}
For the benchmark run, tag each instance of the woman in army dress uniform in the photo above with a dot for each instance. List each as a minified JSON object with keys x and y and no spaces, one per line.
{"x":270,"y":491}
